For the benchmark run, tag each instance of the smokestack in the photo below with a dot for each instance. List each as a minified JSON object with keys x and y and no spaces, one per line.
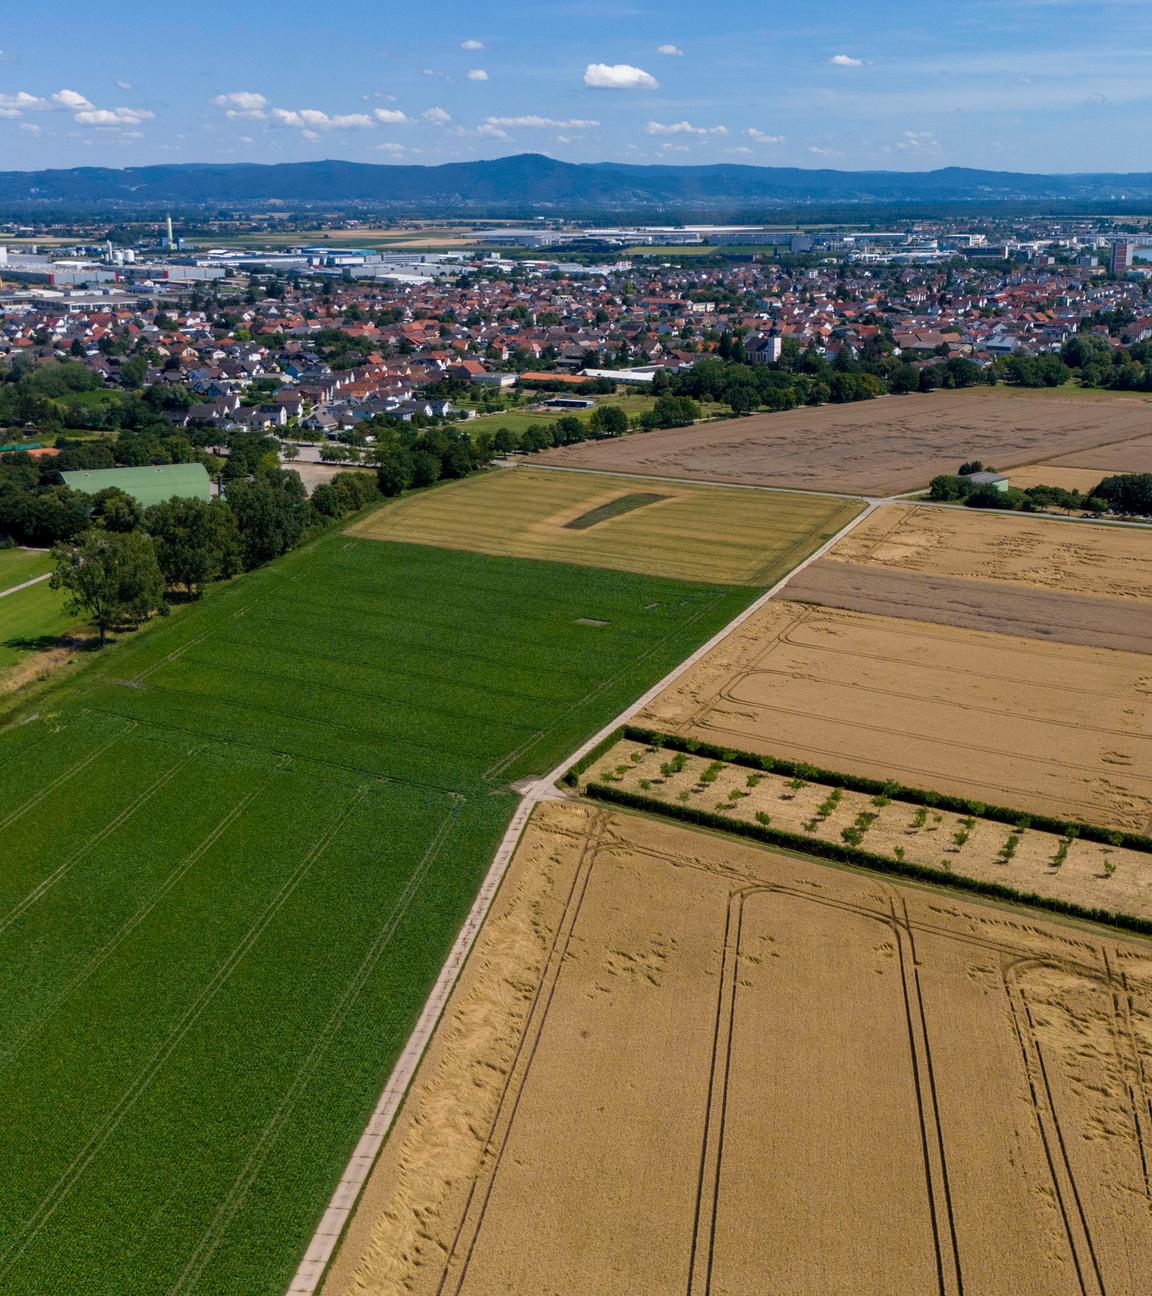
{"x":171,"y":239}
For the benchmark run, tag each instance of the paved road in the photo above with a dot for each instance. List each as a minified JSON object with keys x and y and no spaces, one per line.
{"x":15,"y":589}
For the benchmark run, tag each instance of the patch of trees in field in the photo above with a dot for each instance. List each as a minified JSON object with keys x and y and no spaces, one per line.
{"x":1127,"y":494}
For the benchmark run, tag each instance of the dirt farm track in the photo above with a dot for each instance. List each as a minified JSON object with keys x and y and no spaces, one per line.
{"x":827,"y":1042}
{"x":880,"y":447}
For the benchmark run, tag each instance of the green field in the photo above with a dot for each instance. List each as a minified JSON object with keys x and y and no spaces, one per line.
{"x":20,"y":565}
{"x":236,"y":849}
{"x":31,"y":620}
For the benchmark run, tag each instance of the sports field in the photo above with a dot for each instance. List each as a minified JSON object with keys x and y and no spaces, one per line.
{"x":681,"y":1063}
{"x":663,"y":528}
{"x":1048,"y":727}
{"x":235,"y":852}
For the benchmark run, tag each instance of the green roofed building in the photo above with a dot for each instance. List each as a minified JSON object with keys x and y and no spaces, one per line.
{"x":151,"y":485}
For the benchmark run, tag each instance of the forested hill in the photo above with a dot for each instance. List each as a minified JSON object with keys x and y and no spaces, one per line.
{"x":531,"y":180}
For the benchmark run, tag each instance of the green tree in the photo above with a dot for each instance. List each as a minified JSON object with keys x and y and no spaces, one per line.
{"x":111,"y":578}
{"x":196,"y":541}
{"x":271,"y":512}
{"x":608,"y":421}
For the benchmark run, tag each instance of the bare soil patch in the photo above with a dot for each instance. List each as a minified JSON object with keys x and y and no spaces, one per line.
{"x":977,"y":605}
{"x":1042,"y":552}
{"x":1052,"y":728}
{"x":882,"y":447}
{"x":678,"y":1062}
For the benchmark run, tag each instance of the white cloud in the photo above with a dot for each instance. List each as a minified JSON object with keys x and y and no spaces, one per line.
{"x":71,"y":100}
{"x":437,"y":116}
{"x":918,"y":142}
{"x":845,"y":60}
{"x":390,"y":116}
{"x":31,"y":128}
{"x":393,"y":148}
{"x":824,"y":152}
{"x":619,"y":76}
{"x":762,"y":138}
{"x":675,"y":148}
{"x":740,"y":148}
{"x":477,"y":74}
{"x":532,"y":122}
{"x":125,"y":85}
{"x":112,"y":116}
{"x":472,"y":45}
{"x":312,"y":120}
{"x":683,"y":128}
{"x":486,"y":131}
{"x":242,"y":103}
{"x":674,"y":51}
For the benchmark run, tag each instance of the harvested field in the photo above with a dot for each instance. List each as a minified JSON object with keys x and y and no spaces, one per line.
{"x":977,"y":605}
{"x":784,"y":1079}
{"x":1092,"y":875}
{"x":1084,"y":480}
{"x":1046,"y":553}
{"x":1051,"y":728}
{"x":1129,"y":456}
{"x":881,"y":447}
{"x":683,"y":531}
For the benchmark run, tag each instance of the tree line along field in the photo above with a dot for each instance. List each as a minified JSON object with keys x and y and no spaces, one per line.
{"x":665,"y":528}
{"x":794,"y":1079}
{"x":236,"y":850}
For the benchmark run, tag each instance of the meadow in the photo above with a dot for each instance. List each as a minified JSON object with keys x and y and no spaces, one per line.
{"x":20,"y":565}
{"x":236,"y":850}
{"x":684,"y":530}
{"x":32,"y":620}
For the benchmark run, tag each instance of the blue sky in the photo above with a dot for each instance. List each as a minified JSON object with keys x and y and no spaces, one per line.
{"x":1052,"y":85}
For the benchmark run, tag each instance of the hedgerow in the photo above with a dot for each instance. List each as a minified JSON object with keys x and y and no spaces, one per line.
{"x":846,"y":854}
{"x":891,"y":788}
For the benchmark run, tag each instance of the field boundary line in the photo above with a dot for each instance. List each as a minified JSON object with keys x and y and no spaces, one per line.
{"x":314,"y":1264}
{"x":15,"y":589}
{"x":703,"y":481}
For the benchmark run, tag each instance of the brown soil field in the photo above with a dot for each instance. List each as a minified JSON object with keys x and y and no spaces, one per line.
{"x":1090,"y":874}
{"x":1050,"y":728}
{"x":881,"y":447}
{"x":680,"y":1063}
{"x":1131,"y":456}
{"x":687,"y":532}
{"x":1085,"y":480}
{"x":977,"y":604}
{"x":1043,"y":552}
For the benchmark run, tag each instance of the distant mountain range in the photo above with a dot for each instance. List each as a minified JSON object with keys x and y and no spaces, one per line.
{"x":530,"y":181}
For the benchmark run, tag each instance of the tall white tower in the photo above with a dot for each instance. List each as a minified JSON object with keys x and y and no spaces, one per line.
{"x":171,"y":241}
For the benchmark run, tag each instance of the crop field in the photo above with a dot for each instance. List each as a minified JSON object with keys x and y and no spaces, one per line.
{"x":518,"y":420}
{"x":683,"y":531}
{"x":1129,"y":455}
{"x":1049,"y":727}
{"x":829,"y":1043}
{"x":880,"y":447}
{"x":235,"y":852}
{"x":1042,"y":553}
{"x":1090,"y":874}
